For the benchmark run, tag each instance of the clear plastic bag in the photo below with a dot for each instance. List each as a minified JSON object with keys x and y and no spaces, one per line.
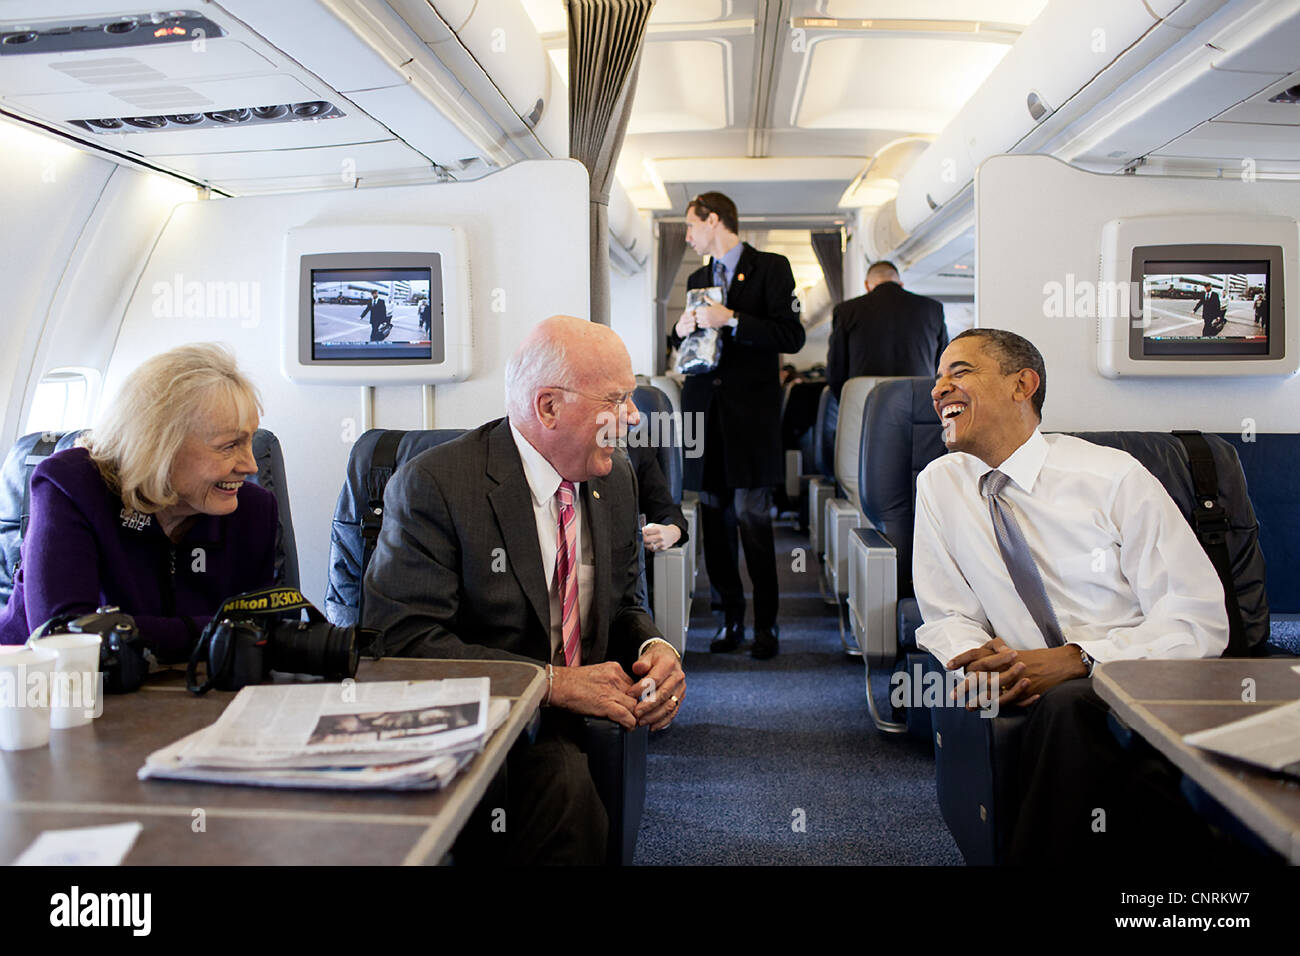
{"x":701,"y":351}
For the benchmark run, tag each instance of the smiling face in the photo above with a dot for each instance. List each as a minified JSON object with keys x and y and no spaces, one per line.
{"x":213,"y":462}
{"x":588,"y":422}
{"x":984,"y":412}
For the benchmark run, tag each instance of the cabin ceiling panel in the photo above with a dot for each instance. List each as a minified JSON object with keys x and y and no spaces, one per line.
{"x":684,"y":85}
{"x":167,"y":97}
{"x":340,"y":164}
{"x":1234,"y":142}
{"x":745,"y":169}
{"x":1005,"y":11}
{"x":1258,"y":109}
{"x":777,"y":198}
{"x":100,"y":69}
{"x":888,"y":83}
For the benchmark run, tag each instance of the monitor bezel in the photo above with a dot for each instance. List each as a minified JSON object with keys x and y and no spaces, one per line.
{"x":434,"y":262}
{"x":1218,"y":253}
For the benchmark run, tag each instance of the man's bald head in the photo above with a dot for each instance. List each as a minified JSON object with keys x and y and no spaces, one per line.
{"x":565,"y":361}
{"x":882,"y":271}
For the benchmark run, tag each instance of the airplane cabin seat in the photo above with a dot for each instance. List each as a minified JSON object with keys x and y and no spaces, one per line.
{"x":673,"y":579}
{"x":617,"y":758}
{"x":900,"y":436}
{"x":840,"y":514}
{"x":820,"y":477}
{"x":798,"y":418}
{"x":976,"y":758}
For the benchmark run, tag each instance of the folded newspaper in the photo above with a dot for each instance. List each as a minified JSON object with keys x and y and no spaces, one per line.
{"x":397,"y":735}
{"x":1270,"y":740}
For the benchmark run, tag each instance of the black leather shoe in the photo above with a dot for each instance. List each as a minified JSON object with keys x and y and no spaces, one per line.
{"x":730,"y":637}
{"x":765,"y":644}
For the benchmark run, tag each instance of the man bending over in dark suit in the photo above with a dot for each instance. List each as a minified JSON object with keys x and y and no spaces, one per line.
{"x":888,"y":331}
{"x":545,"y":489}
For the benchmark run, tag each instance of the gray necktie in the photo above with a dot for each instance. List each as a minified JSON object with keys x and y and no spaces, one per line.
{"x":1020,"y":563}
{"x":720,"y":277}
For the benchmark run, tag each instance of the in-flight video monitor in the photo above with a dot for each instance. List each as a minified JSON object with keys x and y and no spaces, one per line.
{"x":381,"y":314}
{"x":1203,"y":308}
{"x":1198,"y":296}
{"x":376,"y":304}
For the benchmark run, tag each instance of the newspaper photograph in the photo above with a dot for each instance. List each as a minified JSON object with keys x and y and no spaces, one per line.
{"x":288,"y":725}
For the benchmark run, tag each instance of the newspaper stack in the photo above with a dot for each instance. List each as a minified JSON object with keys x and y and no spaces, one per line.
{"x":393,"y":735}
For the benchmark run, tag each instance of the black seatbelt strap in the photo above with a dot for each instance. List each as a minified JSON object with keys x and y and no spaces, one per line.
{"x":383,"y":462}
{"x":1210,"y":522}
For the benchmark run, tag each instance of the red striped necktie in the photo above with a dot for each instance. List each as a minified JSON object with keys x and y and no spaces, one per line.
{"x":566,"y":576}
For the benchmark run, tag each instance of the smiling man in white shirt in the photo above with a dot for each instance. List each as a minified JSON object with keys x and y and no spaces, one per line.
{"x":1034,"y":557}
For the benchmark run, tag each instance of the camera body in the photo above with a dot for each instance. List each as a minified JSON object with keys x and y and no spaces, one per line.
{"x":121,"y":652}
{"x":248,"y":639}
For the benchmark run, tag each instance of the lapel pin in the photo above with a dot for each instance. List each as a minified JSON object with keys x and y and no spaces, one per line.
{"x":741,"y":277}
{"x":595,"y":493}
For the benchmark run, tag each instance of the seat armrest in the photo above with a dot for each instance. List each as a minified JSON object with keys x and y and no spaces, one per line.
{"x":873,"y":595}
{"x":617,"y":759}
{"x":975,"y":775}
{"x":672,"y":604}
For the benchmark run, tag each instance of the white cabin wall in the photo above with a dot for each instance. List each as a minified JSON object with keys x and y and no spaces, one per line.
{"x":1039,"y":221}
{"x":527,"y":261}
{"x":632,"y":315}
{"x":50,"y":191}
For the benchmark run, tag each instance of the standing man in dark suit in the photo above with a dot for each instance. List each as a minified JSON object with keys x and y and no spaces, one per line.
{"x":888,"y":331}
{"x":740,"y":405}
{"x":1212,"y":313}
{"x":378,"y":311}
{"x":518,"y":541}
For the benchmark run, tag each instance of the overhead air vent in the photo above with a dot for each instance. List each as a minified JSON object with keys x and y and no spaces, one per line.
{"x":309,"y":111}
{"x":108,"y":33}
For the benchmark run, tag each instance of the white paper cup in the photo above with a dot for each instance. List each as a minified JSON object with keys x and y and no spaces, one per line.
{"x":24,"y":698}
{"x":74,"y":688}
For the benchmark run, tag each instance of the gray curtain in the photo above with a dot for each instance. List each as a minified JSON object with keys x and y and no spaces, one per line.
{"x":672,"y":247}
{"x":604,"y":55}
{"x":830,"y":256}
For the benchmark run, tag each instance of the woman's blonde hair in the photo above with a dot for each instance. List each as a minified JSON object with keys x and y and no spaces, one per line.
{"x":141,"y":433}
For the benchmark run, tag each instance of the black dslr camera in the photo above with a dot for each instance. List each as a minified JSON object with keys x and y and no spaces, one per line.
{"x":121,"y":652}
{"x":248,"y":638}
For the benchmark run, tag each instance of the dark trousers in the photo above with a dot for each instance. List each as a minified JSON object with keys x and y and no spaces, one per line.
{"x":744,"y":512}
{"x":1085,"y":799}
{"x":543,"y":809}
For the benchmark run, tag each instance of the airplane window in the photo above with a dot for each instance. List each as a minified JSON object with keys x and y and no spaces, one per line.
{"x":63,"y":400}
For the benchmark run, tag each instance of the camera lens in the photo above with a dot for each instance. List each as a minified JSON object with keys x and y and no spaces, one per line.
{"x":270,"y":112}
{"x":107,"y":123}
{"x":303,"y":647}
{"x":147,"y":122}
{"x":120,"y":26}
{"x":186,"y":119}
{"x":312,"y":108}
{"x":14,"y":39}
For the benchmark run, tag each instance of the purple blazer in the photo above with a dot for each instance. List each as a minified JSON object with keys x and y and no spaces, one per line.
{"x":84,"y":549}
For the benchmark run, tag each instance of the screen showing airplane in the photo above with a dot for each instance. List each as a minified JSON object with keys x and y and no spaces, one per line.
{"x":373,"y":314}
{"x":1205,"y":308}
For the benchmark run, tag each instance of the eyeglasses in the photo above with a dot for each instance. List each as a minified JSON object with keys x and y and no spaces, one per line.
{"x":613,"y":403}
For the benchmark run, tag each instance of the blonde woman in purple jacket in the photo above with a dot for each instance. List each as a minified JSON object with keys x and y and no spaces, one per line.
{"x":153,"y":514}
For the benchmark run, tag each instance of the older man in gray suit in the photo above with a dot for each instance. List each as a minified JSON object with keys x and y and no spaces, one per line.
{"x":517,"y":541}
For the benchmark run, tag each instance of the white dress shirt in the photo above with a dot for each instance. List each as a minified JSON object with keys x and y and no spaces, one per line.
{"x":1120,"y":564}
{"x":544,"y":481}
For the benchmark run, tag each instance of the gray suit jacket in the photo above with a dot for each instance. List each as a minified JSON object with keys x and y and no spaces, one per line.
{"x":457,"y":571}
